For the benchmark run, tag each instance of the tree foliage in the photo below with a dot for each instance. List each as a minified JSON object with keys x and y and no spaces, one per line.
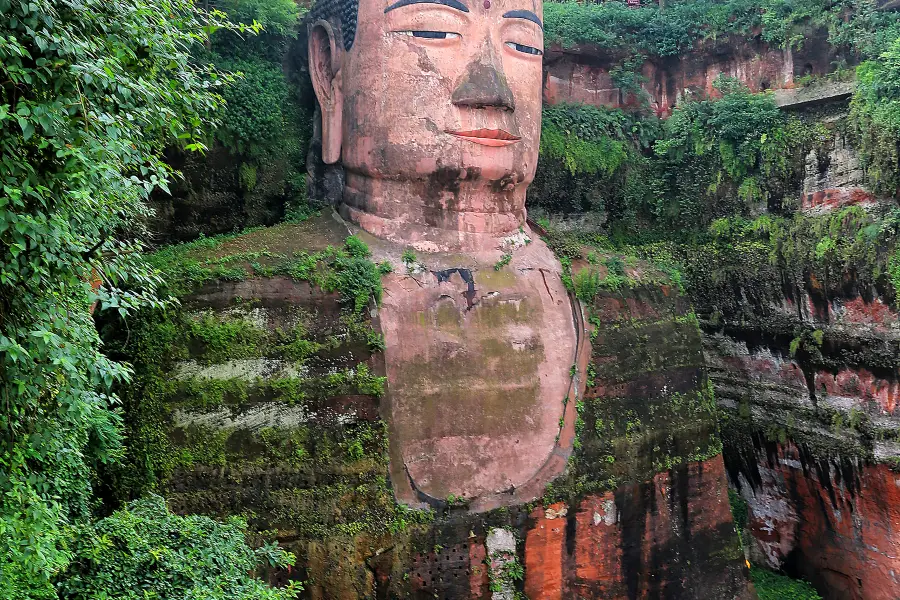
{"x":144,"y":552}
{"x":278,"y":17}
{"x":683,"y":23}
{"x":876,"y":116}
{"x":255,"y":115}
{"x":91,"y":93}
{"x":590,"y":157}
{"x":738,"y":146}
{"x":711,"y":158}
{"x":266,"y":123}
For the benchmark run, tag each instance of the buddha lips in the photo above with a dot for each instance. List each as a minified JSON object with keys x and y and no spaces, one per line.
{"x":487,"y":137}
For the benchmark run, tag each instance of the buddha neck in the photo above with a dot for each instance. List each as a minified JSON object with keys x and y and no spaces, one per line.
{"x":436,"y":214}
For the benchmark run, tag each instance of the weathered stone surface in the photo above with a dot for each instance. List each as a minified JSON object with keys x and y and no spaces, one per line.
{"x":819,"y":508}
{"x":834,"y":178}
{"x":582,"y":74}
{"x":478,"y":364}
{"x":834,"y":522}
{"x":671,"y":537}
{"x":649,"y":502}
{"x":501,"y":551}
{"x":805,"y":373}
{"x":211,"y":199}
{"x":818,"y":92}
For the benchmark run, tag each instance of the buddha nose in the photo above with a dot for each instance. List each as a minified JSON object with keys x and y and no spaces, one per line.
{"x":484,"y":84}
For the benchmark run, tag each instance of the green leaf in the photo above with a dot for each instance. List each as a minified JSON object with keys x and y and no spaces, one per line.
{"x":27,"y":128}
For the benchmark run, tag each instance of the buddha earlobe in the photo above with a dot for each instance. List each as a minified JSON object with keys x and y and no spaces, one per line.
{"x":325,"y":72}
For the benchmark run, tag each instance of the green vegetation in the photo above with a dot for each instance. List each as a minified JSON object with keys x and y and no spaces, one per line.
{"x":591,"y":158}
{"x":648,"y":30}
{"x":587,"y":282}
{"x":772,"y":586}
{"x":739,"y":142}
{"x":254,"y":118}
{"x":144,"y":551}
{"x":734,"y":156}
{"x":711,"y":159}
{"x":345,"y":270}
{"x":267,"y":121}
{"x":278,"y":17}
{"x":876,"y":115}
{"x":91,"y":95}
{"x":739,"y":510}
{"x":760,"y":254}
{"x":214,"y":340}
{"x":409,"y":258}
{"x":510,"y":571}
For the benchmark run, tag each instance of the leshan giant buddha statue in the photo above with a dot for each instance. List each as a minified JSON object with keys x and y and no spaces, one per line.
{"x":433,"y":109}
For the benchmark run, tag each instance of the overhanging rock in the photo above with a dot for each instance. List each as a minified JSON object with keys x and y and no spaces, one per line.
{"x":811,"y":95}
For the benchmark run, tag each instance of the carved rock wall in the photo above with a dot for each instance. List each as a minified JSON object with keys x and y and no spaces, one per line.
{"x":671,"y":536}
{"x":810,"y":428}
{"x":653,"y":518}
{"x":832,"y":522}
{"x":219,"y":193}
{"x":642,"y":511}
{"x":582,"y":74}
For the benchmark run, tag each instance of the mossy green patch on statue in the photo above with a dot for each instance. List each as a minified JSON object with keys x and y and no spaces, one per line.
{"x":495,"y":280}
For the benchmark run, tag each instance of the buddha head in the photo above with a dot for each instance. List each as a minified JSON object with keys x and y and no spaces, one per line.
{"x":433,"y":108}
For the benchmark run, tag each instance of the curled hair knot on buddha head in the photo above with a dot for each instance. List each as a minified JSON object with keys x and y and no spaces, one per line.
{"x":342,"y":12}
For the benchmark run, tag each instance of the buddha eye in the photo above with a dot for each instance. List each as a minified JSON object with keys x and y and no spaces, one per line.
{"x":524,"y":49}
{"x":431,"y":35}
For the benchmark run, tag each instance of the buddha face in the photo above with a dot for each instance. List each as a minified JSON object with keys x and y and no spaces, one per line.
{"x":443,"y":94}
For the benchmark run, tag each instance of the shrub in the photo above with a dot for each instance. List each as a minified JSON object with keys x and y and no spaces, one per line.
{"x":276,"y":16}
{"x":772,"y":586}
{"x":587,"y":284}
{"x":357,"y":248}
{"x":145,"y":552}
{"x":875,"y":111}
{"x":254,"y":111}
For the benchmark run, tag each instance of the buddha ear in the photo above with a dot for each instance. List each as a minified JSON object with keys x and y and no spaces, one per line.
{"x":325,"y":71}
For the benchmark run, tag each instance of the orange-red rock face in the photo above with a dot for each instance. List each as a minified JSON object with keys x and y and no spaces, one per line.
{"x":805,"y":430}
{"x":582,"y":75}
{"x":835,"y":524}
{"x":669,"y":537}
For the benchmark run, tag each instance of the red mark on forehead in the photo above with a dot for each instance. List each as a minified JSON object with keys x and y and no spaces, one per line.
{"x":487,"y":4}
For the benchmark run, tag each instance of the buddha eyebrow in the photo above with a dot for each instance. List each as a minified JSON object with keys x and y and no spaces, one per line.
{"x":451,"y":3}
{"x":524,"y":14}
